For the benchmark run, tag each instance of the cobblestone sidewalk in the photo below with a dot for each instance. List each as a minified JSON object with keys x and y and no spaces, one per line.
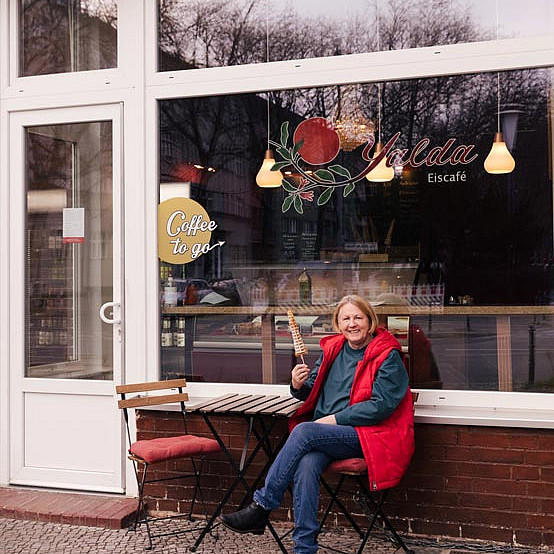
{"x":37,"y":537}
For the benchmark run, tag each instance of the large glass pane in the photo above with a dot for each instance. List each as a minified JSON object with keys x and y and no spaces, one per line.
{"x":66,"y":35}
{"x":69,"y":270}
{"x":196,"y":34}
{"x":465,"y":348}
{"x":441,"y":239}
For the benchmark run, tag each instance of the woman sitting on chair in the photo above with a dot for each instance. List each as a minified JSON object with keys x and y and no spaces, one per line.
{"x":357,"y":404}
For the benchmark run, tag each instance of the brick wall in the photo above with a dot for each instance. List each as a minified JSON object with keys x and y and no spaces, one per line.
{"x":494,"y":484}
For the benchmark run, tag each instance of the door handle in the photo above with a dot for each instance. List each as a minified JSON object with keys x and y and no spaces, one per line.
{"x":104,"y":307}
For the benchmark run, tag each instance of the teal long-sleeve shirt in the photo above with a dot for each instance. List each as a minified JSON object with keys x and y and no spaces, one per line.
{"x":389,"y":388}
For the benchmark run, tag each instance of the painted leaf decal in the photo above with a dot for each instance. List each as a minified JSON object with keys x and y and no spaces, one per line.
{"x":287,"y":203}
{"x":348,"y":189}
{"x":297,"y":147}
{"x":279,"y":165}
{"x":324,"y":196}
{"x":340,"y":170}
{"x":325,"y":175}
{"x":284,"y":133}
{"x":298,"y":205}
{"x":283,"y":152}
{"x":288,"y":187}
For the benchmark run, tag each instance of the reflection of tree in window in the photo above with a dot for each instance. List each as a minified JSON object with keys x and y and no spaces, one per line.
{"x":67,"y":35}
{"x":469,"y":228}
{"x":232,"y":32}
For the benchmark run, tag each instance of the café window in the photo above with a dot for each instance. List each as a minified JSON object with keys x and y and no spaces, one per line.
{"x":64,"y":36}
{"x":457,"y":260}
{"x":195,"y":34}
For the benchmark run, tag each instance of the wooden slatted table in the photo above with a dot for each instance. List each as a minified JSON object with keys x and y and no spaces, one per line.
{"x":262,"y":413}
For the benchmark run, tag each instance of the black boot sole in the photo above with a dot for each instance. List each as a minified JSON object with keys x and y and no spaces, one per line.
{"x":256,"y":531}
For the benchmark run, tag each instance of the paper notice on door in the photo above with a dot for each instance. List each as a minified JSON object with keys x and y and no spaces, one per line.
{"x":73,"y":230}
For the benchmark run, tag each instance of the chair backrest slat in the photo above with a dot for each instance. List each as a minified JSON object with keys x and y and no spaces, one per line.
{"x":138,"y":401}
{"x":153,"y":385}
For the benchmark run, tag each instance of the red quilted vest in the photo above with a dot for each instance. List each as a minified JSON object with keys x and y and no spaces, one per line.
{"x":387,"y":446}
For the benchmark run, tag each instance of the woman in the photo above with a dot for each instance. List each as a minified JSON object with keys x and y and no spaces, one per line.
{"x":357,"y":404}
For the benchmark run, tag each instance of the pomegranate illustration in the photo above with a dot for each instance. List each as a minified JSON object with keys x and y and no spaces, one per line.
{"x":321,"y":141}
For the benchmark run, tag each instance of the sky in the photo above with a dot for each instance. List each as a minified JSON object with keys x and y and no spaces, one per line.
{"x":516,"y":17}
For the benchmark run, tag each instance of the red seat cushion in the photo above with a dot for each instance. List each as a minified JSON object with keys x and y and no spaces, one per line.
{"x":349,"y":465}
{"x":169,"y":448}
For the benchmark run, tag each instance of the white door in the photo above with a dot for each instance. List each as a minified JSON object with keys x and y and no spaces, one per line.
{"x":65,"y":264}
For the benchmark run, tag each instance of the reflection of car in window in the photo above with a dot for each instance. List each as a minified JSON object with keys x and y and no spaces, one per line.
{"x":253,"y":327}
{"x":200,"y":291}
{"x":323,"y":325}
{"x":224,"y":292}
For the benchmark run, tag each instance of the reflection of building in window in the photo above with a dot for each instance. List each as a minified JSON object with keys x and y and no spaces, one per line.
{"x":309,"y":226}
{"x":239,"y":254}
{"x":169,"y":144}
{"x":290,"y":225}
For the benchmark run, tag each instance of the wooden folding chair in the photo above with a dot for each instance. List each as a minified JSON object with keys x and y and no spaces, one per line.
{"x":371,"y":502}
{"x":145,"y":453}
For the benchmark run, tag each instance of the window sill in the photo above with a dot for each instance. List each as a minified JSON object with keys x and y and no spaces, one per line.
{"x":493,"y":417}
{"x":494,"y":408}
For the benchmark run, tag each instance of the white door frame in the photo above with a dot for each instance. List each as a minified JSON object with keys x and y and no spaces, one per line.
{"x":111,"y":480}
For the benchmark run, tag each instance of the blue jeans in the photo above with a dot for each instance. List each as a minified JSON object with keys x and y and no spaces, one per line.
{"x":308,"y":451}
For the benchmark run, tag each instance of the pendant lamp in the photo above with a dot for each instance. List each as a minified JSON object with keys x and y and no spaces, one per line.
{"x":499,"y":159}
{"x":265,"y":177}
{"x":382,"y":173}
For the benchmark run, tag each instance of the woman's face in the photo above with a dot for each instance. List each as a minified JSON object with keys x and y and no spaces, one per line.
{"x":354,"y":325}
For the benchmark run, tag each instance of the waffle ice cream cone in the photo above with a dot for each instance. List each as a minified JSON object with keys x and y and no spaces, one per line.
{"x":297,"y":340}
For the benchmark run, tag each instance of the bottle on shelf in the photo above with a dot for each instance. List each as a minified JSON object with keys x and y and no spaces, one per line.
{"x":170,"y":293}
{"x":165,"y":271}
{"x":167,"y":333}
{"x":46,"y":334}
{"x":305,"y":287}
{"x":179,"y":333}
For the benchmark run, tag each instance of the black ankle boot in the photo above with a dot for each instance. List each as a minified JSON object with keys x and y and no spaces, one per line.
{"x":251,"y":519}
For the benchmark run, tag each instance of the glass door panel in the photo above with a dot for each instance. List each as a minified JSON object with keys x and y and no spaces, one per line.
{"x":69,"y":262}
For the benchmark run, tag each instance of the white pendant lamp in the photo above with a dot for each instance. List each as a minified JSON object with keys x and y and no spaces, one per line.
{"x":265,"y":177}
{"x":499,"y":159}
{"x":382,"y":173}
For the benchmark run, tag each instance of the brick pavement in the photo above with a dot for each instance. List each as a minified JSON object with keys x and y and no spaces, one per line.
{"x":39,"y":537}
{"x":97,"y":510}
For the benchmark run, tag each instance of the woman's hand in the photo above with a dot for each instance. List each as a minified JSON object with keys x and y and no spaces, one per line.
{"x":300,"y":373}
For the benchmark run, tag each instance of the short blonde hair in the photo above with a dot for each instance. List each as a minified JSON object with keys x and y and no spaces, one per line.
{"x":360,"y":303}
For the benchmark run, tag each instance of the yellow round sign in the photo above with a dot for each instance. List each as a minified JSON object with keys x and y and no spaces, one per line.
{"x":184,"y":230}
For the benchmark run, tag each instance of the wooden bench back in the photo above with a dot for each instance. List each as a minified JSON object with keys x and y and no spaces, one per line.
{"x":141,"y":400}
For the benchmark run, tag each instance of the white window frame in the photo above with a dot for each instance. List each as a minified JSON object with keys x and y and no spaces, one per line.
{"x":4,"y":250}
